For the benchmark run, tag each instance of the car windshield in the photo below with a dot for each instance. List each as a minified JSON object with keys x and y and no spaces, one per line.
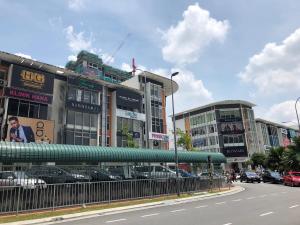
{"x":275,"y":174}
{"x":22,"y":175}
{"x":296,"y":174}
{"x":251,"y":174}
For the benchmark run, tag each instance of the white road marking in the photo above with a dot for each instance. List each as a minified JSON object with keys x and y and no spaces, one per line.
{"x":227,"y":224}
{"x":177,"y":210}
{"x":220,"y":203}
{"x":262,"y":196}
{"x":153,"y":214}
{"x":237,"y":200}
{"x":113,"y":221}
{"x":294,"y":206}
{"x":251,"y":198}
{"x":265,"y":214}
{"x":201,"y":206}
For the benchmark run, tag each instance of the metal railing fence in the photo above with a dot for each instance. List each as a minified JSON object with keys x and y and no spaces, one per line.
{"x":15,"y":199}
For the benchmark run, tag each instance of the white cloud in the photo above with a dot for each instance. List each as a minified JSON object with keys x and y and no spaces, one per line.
{"x":191,"y":93}
{"x":186,"y":40}
{"x":23,"y":55}
{"x":282,"y":112}
{"x":72,"y":58}
{"x":76,"y":5}
{"x":276,"y":69}
{"x":78,"y":41}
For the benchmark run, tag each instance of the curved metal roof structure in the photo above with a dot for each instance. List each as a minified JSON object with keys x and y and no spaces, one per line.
{"x":20,"y":152}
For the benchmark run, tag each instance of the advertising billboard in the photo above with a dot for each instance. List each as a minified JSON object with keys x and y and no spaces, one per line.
{"x":32,"y":80}
{"x":130,"y":115}
{"x":28,"y":95}
{"x":26,"y":130}
{"x":128,"y":99}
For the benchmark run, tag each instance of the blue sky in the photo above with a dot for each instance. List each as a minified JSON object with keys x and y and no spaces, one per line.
{"x":225,"y":49}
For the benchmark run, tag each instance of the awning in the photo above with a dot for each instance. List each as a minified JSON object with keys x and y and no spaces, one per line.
{"x":19,"y":152}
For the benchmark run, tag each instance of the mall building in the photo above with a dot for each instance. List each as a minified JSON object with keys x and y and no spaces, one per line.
{"x":230,"y":127}
{"x":273,"y":135}
{"x":86,"y":103}
{"x":226,"y":126}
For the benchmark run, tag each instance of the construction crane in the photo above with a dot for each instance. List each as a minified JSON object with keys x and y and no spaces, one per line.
{"x":110,"y":58}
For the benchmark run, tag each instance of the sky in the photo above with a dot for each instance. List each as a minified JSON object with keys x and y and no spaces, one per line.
{"x":247,"y":50}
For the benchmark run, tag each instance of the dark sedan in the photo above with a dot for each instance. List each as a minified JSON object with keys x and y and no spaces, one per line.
{"x":250,"y":177}
{"x":271,"y":176}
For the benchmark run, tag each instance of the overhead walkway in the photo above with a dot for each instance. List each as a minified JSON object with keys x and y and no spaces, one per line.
{"x":20,"y":152}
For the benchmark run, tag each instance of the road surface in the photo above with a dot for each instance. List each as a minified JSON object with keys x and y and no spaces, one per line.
{"x":259,"y":204}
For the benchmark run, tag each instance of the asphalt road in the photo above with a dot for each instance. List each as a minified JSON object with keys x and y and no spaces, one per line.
{"x":259,"y":204}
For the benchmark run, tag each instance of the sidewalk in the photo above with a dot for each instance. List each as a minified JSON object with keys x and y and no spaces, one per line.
{"x":110,"y":211}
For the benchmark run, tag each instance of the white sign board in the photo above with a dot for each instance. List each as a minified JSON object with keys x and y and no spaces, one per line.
{"x":131,"y":115}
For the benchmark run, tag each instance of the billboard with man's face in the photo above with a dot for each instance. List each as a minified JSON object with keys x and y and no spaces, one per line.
{"x":27,"y":130}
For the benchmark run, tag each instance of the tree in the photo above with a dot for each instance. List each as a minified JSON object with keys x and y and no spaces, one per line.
{"x":289,"y":160}
{"x":129,"y":138}
{"x":184,"y":140}
{"x":258,"y":159}
{"x":274,"y":159}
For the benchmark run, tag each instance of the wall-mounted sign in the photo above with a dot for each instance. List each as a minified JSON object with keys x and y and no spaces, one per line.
{"x":83,"y":107}
{"x":84,"y":83}
{"x":130,"y":115}
{"x":23,"y":129}
{"x":33,"y":80}
{"x":28,"y":95}
{"x":239,"y":151}
{"x":128,"y":99}
{"x":158,"y":136}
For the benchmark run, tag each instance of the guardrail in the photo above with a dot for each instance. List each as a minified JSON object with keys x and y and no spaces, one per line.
{"x":15,"y":199}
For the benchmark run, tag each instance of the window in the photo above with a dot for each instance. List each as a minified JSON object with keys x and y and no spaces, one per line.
{"x":27,"y":109}
{"x":233,"y":140}
{"x":79,"y":95}
{"x":72,"y":93}
{"x":87,"y":97}
{"x":71,"y":117}
{"x":78,"y":118}
{"x":94,"y":98}
{"x":86,"y":119}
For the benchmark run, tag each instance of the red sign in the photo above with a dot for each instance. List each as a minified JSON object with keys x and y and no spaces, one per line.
{"x":28,"y":95}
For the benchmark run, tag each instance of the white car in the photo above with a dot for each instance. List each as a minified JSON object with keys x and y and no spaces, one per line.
{"x":12,"y":179}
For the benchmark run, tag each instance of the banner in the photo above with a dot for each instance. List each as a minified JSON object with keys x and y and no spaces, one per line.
{"x":32,"y":80}
{"x":23,"y":129}
{"x":158,"y":136}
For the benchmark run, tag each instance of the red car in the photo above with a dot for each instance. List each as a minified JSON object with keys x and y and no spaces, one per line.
{"x":292,"y":179}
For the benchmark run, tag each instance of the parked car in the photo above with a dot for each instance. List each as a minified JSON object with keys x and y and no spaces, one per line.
{"x":250,"y":177}
{"x":184,"y":173}
{"x":156,"y":172}
{"x":11,"y":179}
{"x":96,"y":174}
{"x":292,"y":179}
{"x":271,"y":176}
{"x":54,"y":174}
{"x":205,"y":175}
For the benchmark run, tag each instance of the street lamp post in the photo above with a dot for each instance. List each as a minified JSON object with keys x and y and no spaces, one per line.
{"x":297,"y":112}
{"x":174,"y":130}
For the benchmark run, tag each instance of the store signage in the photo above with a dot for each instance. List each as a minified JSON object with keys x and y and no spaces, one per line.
{"x":34,"y":130}
{"x":84,"y":83}
{"x":158,"y":137}
{"x":83,"y":107}
{"x":235,"y":151}
{"x":33,"y":80}
{"x":131,"y":115}
{"x":28,"y":95}
{"x":128,"y":99}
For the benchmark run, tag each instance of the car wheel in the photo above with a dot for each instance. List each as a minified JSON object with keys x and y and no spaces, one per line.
{"x":292,"y":184}
{"x":259,"y":181}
